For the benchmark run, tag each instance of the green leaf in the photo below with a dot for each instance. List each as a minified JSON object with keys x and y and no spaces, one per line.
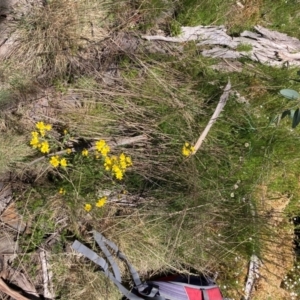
{"x":296,"y":119}
{"x":290,"y":94}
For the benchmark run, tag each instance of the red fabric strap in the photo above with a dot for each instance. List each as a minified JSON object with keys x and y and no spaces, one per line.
{"x":193,"y":294}
{"x":214,"y":294}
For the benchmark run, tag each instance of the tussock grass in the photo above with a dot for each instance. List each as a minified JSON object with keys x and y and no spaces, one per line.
{"x":50,"y":37}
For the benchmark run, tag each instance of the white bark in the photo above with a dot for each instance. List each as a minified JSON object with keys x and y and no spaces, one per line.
{"x":47,"y":276}
{"x":268,"y":47}
{"x":252,"y":275}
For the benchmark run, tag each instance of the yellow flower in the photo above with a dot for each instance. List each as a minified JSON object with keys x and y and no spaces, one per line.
{"x":108,"y":163}
{"x":100,"y":144}
{"x":65,"y":132}
{"x":128,"y":161}
{"x":63,"y":162}
{"x":35,"y":134}
{"x":187,"y":149}
{"x":85,"y":152}
{"x":69,"y":151}
{"x":105,"y":150}
{"x":48,"y":127}
{"x":42,"y":127}
{"x":35,"y":139}
{"x":122,"y":160}
{"x":62,"y":191}
{"x":45,"y":147}
{"x":102,"y":147}
{"x":117,"y":172}
{"x":87,"y":207}
{"x":101,"y":202}
{"x":54,"y":161}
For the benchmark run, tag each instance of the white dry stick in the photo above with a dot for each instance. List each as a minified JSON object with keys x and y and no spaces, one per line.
{"x":46,"y":276}
{"x":214,"y":117}
{"x":252,"y":275}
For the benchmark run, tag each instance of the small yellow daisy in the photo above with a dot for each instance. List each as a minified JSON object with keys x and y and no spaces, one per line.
{"x":54,"y":161}
{"x":63,"y":162}
{"x":84,"y":152}
{"x":87,"y":207}
{"x":62,"y":191}
{"x":101,"y":202}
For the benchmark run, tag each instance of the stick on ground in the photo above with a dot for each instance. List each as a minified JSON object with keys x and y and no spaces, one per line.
{"x":214,"y":117}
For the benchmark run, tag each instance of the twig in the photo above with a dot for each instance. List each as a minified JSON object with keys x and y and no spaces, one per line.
{"x":214,"y":117}
{"x":46,"y":276}
{"x":120,"y":142}
{"x":7,"y":290}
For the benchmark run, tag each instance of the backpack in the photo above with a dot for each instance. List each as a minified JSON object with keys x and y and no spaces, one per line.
{"x":173,"y":287}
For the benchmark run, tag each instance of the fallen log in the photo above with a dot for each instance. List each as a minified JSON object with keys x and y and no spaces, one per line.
{"x":265,"y":46}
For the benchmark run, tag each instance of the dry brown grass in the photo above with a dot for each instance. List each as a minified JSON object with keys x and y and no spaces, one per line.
{"x":246,"y":16}
{"x":49,"y":38}
{"x":14,"y":149}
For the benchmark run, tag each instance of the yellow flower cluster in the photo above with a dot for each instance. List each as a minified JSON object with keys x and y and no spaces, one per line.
{"x":37,"y":141}
{"x":117,"y":165}
{"x":43,"y":128}
{"x":187,"y":149}
{"x":101,"y":202}
{"x":102,"y":147}
{"x":55,"y":161}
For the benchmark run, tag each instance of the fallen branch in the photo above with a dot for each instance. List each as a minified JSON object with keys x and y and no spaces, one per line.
{"x":7,"y":290}
{"x":48,"y":294}
{"x":252,"y":275}
{"x":215,"y":116}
